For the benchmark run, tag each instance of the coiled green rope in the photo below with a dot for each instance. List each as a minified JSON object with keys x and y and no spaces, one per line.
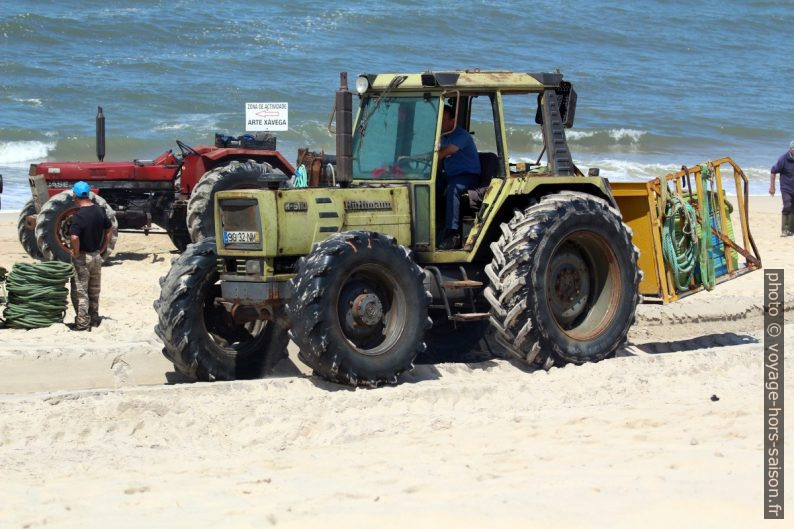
{"x":37,"y":294}
{"x":680,"y":239}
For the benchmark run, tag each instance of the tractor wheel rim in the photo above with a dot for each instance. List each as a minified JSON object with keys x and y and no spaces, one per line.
{"x":372,"y":310}
{"x":62,"y":229}
{"x":583,"y":288}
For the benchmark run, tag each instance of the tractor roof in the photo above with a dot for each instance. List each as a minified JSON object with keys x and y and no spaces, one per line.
{"x":467,"y":80}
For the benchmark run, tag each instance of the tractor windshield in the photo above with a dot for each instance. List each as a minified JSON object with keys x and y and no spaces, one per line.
{"x":394,"y":138}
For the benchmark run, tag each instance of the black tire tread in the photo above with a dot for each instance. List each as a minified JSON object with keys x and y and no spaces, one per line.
{"x":514,"y":326}
{"x":28,"y":237}
{"x":179,"y":320}
{"x":308,"y":318}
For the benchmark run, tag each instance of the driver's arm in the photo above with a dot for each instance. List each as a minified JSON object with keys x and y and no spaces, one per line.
{"x":447,"y":150}
{"x":443,"y":152}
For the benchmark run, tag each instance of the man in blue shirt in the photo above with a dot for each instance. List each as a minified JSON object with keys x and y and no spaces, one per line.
{"x":785,"y":168}
{"x":462,"y":168}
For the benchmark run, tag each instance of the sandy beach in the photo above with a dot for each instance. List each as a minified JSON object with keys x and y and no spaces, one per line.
{"x":96,"y":430}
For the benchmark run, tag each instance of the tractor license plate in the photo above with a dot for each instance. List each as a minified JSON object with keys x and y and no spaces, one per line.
{"x":230,"y":237}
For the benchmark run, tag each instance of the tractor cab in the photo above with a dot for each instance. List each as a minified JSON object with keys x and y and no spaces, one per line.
{"x":398,"y":134}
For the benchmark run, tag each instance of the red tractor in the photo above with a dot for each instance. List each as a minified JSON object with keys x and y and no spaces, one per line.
{"x":174,"y":191}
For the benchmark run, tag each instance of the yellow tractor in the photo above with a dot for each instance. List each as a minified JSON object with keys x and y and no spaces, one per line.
{"x":353,"y":268}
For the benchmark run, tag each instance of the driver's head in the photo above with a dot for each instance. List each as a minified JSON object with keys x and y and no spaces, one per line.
{"x":448,"y":119}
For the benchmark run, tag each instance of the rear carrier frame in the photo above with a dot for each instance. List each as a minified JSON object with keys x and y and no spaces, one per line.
{"x":642,"y":205}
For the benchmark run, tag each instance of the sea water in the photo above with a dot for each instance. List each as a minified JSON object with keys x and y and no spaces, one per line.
{"x":660,"y":83}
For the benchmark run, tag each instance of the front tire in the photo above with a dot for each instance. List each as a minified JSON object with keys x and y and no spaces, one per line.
{"x":27,"y":236}
{"x":564,"y":281}
{"x":54,"y":221}
{"x":199,"y":335}
{"x":359,"y":309}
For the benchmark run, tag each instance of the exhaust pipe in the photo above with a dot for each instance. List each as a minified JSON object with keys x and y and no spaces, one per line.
{"x":100,"y":134}
{"x":344,"y":132}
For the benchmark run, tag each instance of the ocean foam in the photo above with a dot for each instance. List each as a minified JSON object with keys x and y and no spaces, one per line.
{"x":21,"y":152}
{"x":630,"y":134}
{"x":635,"y":171}
{"x":597,"y":137}
{"x":193,"y":122}
{"x":32,"y":101}
{"x":574,"y":135}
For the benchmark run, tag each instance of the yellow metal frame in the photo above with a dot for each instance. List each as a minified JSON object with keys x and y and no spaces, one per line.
{"x":641,"y":206}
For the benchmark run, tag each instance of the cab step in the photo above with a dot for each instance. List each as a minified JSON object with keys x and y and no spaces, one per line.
{"x":470,"y":316}
{"x":466,"y":283}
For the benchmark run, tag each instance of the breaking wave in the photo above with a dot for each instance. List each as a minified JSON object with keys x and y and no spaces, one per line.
{"x":22,"y":152}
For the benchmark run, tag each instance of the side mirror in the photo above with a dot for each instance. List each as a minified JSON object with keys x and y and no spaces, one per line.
{"x":566,"y":97}
{"x":593,"y":171}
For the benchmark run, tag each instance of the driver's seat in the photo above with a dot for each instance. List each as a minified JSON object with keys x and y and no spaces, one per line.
{"x":471,"y":200}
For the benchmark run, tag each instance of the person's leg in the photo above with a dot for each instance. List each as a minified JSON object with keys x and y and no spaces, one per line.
{"x":80,"y":292}
{"x":94,"y":283}
{"x":453,"y":191}
{"x":73,"y":292}
{"x":787,"y":227}
{"x":455,"y":187}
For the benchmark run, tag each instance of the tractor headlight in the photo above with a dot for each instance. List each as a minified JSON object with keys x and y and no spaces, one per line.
{"x":362,"y":84}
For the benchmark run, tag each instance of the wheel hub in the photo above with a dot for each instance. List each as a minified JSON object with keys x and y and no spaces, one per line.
{"x":363,"y":308}
{"x":570,"y":286}
{"x":367,"y":310}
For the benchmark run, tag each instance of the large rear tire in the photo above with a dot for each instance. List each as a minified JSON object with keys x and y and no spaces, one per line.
{"x":54,"y":221}
{"x":27,"y":236}
{"x":564,"y":281}
{"x":235,"y":175}
{"x":199,"y":335}
{"x":359,"y":309}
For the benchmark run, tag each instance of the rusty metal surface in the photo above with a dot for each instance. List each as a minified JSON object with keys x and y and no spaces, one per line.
{"x":256,"y":294}
{"x":314,"y":163}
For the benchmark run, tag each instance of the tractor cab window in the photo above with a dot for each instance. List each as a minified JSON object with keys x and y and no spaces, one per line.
{"x":482,"y":123}
{"x":391,"y":137}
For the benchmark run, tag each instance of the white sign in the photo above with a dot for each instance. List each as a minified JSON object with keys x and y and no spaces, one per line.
{"x":266,"y":116}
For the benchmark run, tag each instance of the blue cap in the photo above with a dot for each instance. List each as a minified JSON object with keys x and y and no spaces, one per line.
{"x":81,"y":189}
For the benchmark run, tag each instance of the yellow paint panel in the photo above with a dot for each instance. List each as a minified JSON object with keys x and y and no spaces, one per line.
{"x":633,"y":202}
{"x":310,"y":215}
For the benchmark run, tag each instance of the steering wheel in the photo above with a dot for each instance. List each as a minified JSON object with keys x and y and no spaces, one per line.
{"x":186,"y":149}
{"x":416,"y":163}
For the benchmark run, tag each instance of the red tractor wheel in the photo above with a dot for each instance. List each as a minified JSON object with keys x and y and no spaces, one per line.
{"x":54,"y":221}
{"x":27,"y":235}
